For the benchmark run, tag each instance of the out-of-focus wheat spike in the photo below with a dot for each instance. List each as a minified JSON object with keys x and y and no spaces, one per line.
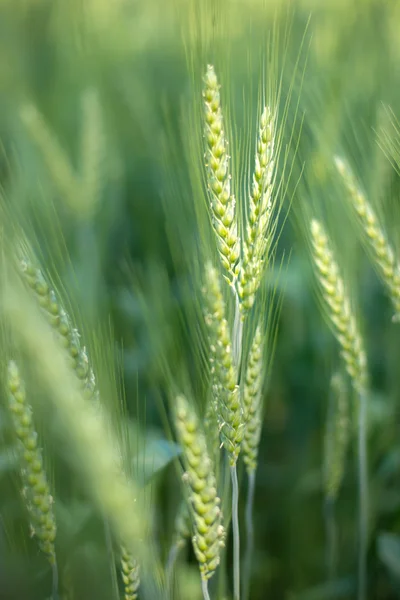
{"x":339,"y":308}
{"x":54,"y":157}
{"x":61,"y":322}
{"x":381,"y":249}
{"x":92,"y":151}
{"x":36,"y":491}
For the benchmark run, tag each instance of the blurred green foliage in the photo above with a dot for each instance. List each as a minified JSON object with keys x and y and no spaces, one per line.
{"x":133,"y":55}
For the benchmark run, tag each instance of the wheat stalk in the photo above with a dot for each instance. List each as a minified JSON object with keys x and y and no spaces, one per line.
{"x":336,"y":444}
{"x":381,"y":250}
{"x":209,"y":533}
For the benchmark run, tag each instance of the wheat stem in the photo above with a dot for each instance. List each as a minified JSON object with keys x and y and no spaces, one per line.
{"x":236,"y":534}
{"x":251,"y":479}
{"x":204,"y":589}
{"x":331,"y":537}
{"x":54,"y":588}
{"x":363,"y":500}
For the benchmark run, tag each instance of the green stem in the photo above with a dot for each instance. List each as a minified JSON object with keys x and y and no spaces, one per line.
{"x":236,"y":536}
{"x":249,"y":533}
{"x":331,"y":538}
{"x":54,"y":589}
{"x":363,"y":496}
{"x":204,"y":589}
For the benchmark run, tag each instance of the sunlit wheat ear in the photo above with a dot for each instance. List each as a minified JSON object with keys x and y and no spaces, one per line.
{"x":259,"y":218}
{"x":223,"y":372}
{"x":61,"y":323}
{"x":222,"y":201}
{"x":36,"y":489}
{"x":381,"y":249}
{"x":209,"y":533}
{"x":337,"y":437}
{"x":130,"y":575}
{"x":252,"y":402}
{"x":338,"y":308}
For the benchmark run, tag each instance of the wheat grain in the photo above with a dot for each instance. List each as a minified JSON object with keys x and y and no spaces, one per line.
{"x":208,"y":530}
{"x":259,"y":218}
{"x":223,"y":371}
{"x":252,"y":402}
{"x":339,"y":308}
{"x":222,"y":201}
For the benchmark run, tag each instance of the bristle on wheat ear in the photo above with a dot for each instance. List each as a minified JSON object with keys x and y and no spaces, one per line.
{"x":209,"y":533}
{"x":338,"y":308}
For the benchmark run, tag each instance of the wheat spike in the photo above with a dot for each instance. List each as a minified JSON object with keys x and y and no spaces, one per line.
{"x":209,"y":533}
{"x":224,"y":374}
{"x":382,"y":251}
{"x":222,"y":201}
{"x":36,"y":489}
{"x":339,"y":308}
{"x":252,"y":402}
{"x":130,"y":574}
{"x":61,"y":322}
{"x":259,"y":221}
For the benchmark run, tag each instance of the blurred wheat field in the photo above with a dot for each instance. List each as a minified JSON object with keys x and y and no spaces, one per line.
{"x":159,"y":337}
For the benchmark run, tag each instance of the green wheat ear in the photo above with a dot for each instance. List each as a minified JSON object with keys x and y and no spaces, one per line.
{"x":36,"y":489}
{"x":339,"y":308}
{"x":381,"y":250}
{"x":60,"y":321}
{"x":130,"y":575}
{"x":259,"y":218}
{"x":223,"y":371}
{"x":252,"y":401}
{"x":209,"y":533}
{"x":222,"y":201}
